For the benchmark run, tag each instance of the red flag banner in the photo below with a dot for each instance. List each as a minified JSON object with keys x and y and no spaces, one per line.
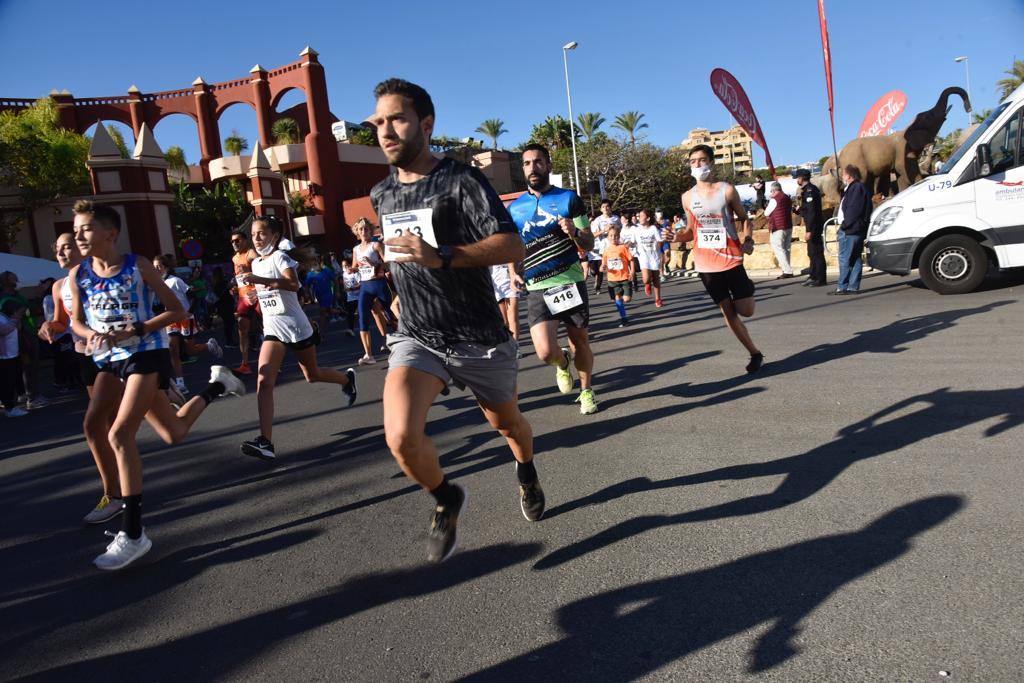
{"x":883,"y":114}
{"x":827,"y":52}
{"x":729,"y":90}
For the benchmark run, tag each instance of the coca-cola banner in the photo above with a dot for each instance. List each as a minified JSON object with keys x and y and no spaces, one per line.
{"x":883,"y":113}
{"x":729,"y":90}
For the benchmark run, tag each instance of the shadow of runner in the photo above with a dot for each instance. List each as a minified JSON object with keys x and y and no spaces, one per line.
{"x":628,"y":632}
{"x":807,"y":473}
{"x":218,"y":651}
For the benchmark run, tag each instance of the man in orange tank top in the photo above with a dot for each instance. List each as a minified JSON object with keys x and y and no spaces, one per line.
{"x":248,"y":306}
{"x":717,"y":250}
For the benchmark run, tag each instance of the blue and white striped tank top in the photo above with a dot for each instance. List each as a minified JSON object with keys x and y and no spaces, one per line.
{"x":117,"y":303}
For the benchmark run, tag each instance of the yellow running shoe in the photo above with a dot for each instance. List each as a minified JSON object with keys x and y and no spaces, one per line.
{"x":563,"y":376}
{"x":587,"y":401}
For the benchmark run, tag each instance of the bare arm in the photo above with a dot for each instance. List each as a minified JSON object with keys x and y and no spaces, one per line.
{"x":173,"y":312}
{"x":687,"y":234}
{"x":501,"y":247}
{"x":733,"y":199}
{"x":48,"y":331}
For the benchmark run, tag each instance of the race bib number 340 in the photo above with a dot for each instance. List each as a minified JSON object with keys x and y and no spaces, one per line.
{"x":418,"y":222}
{"x":271,"y":302}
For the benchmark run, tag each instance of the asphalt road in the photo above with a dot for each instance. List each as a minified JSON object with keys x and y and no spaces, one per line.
{"x":852,"y":512}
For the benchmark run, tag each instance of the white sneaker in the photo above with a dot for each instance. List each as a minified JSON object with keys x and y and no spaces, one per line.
{"x":179,"y":382}
{"x":232,"y":385}
{"x":37,"y":402}
{"x":213,"y":347}
{"x":175,"y":396}
{"x":122,"y":551}
{"x":17,"y":412}
{"x":367,"y":360}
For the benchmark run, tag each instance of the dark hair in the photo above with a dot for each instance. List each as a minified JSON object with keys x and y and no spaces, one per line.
{"x":537,"y":147}
{"x":272,"y":222}
{"x":702,"y":148}
{"x":53,"y":247}
{"x":99,"y":212}
{"x":10,"y":306}
{"x":240,"y":232}
{"x":166,"y":260}
{"x":853,"y":172}
{"x":606,"y":201}
{"x":420,"y":98}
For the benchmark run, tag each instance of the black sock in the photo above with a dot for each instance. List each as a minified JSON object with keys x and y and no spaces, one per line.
{"x":446,"y":495}
{"x":526,"y":472}
{"x":131,"y":523}
{"x":212,"y":391}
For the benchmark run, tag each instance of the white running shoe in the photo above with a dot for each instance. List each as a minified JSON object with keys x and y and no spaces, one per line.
{"x":213,"y":347}
{"x":37,"y":402}
{"x":122,"y":551}
{"x":232,"y":385}
{"x":367,"y":360}
{"x":179,"y":382}
{"x":105,"y":510}
{"x":175,"y":396}
{"x":17,"y":412}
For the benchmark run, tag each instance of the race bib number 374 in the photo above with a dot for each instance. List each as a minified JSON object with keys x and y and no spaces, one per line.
{"x":711,"y":238}
{"x":418,"y":222}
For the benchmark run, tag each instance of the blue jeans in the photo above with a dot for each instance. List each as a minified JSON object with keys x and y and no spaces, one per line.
{"x":850,"y":249}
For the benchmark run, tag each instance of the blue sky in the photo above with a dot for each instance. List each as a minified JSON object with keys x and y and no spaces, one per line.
{"x":480,"y":60}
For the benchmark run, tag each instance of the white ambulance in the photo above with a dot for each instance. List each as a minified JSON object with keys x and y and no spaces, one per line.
{"x":955,"y":225}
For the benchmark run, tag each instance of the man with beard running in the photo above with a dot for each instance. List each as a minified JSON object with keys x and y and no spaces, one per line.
{"x":554,"y":226}
{"x":444,"y":226}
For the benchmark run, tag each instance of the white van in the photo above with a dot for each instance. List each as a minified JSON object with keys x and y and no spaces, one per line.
{"x":952,"y":226}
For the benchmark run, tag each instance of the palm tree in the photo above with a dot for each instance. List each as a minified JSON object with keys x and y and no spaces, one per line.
{"x":235,"y":144}
{"x":175,"y":157}
{"x":589,"y":123}
{"x":630,"y":124}
{"x":118,"y":139}
{"x":285,"y":131}
{"x":493,"y":129}
{"x":980,"y":116}
{"x":1015,"y":79}
{"x":554,"y":133}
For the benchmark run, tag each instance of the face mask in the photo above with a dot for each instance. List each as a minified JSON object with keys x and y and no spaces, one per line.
{"x":267,"y":250}
{"x":701,"y":173}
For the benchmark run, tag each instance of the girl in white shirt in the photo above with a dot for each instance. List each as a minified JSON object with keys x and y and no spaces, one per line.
{"x":285,"y":326}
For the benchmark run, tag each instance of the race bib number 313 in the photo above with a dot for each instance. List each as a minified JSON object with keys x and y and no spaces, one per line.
{"x":418,"y":222}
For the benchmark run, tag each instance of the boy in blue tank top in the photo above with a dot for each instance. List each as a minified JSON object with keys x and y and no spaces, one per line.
{"x":112,"y":297}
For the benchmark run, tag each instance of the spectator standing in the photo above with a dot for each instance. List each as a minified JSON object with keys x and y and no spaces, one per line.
{"x":780,"y":221}
{"x":809,"y":208}
{"x":11,"y":312}
{"x":854,"y":217}
{"x":224,"y":305}
{"x":27,"y":340}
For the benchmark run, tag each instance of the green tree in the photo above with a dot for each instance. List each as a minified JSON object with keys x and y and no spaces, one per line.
{"x":365,"y":136}
{"x":589,"y":122}
{"x":1014,"y":79}
{"x":980,"y":116}
{"x":285,"y":131}
{"x":629,"y":123}
{"x":208,"y":214}
{"x":235,"y":144}
{"x":554,"y":133}
{"x":493,"y":129}
{"x":176,"y":161}
{"x":944,"y":146}
{"x":41,"y":161}
{"x":299,"y":205}
{"x":118,"y":139}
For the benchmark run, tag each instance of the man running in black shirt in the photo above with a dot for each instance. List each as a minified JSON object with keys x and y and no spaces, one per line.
{"x":443,"y":226}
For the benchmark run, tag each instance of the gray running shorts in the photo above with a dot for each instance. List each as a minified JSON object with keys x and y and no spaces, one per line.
{"x":488,"y":371}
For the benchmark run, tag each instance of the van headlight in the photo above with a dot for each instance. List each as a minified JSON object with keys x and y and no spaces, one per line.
{"x":884,"y":220}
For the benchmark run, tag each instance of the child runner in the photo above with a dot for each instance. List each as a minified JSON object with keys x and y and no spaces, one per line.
{"x":320,"y":281}
{"x":350,"y":280}
{"x":618,"y":263}
{"x":648,"y":251}
{"x":111,"y":503}
{"x":112,"y":297}
{"x":285,"y":326}
{"x":368,"y":256}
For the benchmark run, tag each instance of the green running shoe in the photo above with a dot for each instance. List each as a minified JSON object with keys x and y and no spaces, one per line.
{"x":563,"y":376}
{"x":588,"y":404}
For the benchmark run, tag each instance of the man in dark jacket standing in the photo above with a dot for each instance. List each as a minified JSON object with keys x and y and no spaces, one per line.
{"x":809,"y":208}
{"x":854,"y":216}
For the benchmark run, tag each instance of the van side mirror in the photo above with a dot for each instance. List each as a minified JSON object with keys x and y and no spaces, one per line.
{"x":983,"y":160}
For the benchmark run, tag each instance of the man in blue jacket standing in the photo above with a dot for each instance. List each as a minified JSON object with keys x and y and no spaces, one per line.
{"x":854,"y":216}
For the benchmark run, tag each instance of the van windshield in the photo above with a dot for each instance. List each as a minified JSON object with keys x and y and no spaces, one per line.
{"x":978,"y":132}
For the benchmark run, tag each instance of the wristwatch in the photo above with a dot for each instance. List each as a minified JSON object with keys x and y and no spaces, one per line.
{"x":446,"y":253}
{"x":139,"y":329}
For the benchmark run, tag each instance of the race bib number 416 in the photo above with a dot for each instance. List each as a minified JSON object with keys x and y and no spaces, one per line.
{"x":418,"y":222}
{"x":563,"y":298}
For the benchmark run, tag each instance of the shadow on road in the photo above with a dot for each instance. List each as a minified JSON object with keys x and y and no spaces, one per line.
{"x":628,"y":632}
{"x":807,"y":473}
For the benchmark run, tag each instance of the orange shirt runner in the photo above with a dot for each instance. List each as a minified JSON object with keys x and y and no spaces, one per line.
{"x":616,"y":259}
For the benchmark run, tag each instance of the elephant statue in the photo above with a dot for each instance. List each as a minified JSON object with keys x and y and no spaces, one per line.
{"x":906,"y":153}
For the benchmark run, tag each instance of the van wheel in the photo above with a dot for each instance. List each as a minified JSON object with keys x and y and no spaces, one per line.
{"x":953,"y":264}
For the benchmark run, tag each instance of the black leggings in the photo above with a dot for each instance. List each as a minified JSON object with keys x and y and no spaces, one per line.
{"x":350,"y":313}
{"x":10,"y":381}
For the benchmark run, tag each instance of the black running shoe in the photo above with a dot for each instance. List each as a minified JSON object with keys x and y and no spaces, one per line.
{"x":350,"y":388}
{"x":623,"y":322}
{"x":259,"y":447}
{"x":756,"y":361}
{"x":443,"y":536}
{"x":316,"y":334}
{"x":531,"y":500}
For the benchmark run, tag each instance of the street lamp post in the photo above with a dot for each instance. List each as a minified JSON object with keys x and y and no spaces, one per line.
{"x":572,"y":126}
{"x":967,"y":70}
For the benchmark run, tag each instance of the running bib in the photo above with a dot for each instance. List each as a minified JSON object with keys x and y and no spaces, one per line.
{"x":367,"y":272}
{"x":240,"y":279}
{"x":114,"y":314}
{"x":711,"y":238}
{"x":615,"y":264}
{"x":271,"y":302}
{"x":562,"y":298}
{"x":418,"y":222}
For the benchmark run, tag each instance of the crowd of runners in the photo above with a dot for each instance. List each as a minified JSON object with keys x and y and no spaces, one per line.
{"x":440,"y":279}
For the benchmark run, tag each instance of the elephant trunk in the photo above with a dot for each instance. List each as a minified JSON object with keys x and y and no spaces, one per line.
{"x":940,"y":105}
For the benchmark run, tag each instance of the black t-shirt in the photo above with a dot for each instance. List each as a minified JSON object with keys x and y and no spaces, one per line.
{"x":441,"y":308}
